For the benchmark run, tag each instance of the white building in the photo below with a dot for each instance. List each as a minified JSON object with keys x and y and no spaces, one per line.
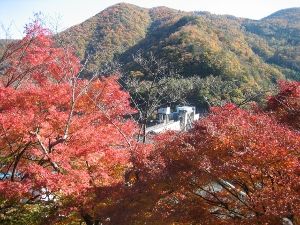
{"x":180,"y":120}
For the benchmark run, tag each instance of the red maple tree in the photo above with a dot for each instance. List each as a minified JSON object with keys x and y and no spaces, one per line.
{"x":62,"y":137}
{"x":285,"y":106}
{"x":234,"y":167}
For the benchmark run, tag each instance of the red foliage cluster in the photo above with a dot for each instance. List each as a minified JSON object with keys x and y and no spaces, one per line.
{"x":61,"y":136}
{"x":241,"y":167}
{"x":285,"y":106}
{"x":36,"y":57}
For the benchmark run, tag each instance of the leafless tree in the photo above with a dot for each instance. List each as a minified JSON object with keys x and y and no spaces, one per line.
{"x":149,"y":87}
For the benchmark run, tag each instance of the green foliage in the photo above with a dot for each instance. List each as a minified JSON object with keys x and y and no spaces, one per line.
{"x":242,"y":55}
{"x":107,"y":34}
{"x":276,"y":39}
{"x":19,"y":214}
{"x":209,"y":45}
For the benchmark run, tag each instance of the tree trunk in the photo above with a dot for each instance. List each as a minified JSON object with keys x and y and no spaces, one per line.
{"x":144,"y":132}
{"x":89,"y":220}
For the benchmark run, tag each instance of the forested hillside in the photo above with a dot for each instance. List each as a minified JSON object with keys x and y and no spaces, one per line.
{"x":276,"y":39}
{"x":101,"y":38}
{"x":248,"y":56}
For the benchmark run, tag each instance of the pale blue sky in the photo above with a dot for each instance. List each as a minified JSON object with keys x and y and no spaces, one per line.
{"x":16,"y":13}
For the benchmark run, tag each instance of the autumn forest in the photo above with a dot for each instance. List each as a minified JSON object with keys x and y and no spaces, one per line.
{"x":75,"y":105}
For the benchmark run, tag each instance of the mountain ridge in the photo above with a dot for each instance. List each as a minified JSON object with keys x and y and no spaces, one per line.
{"x":89,"y":32}
{"x":251,"y":54}
{"x":247,"y":55}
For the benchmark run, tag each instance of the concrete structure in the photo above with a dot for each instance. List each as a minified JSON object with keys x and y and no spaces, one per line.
{"x":161,"y":127}
{"x":180,"y":120}
{"x":164,"y":115}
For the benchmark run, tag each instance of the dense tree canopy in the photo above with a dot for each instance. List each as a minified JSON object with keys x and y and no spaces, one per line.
{"x":235,"y":166}
{"x":285,"y":106}
{"x":241,"y":169}
{"x":61,"y":137}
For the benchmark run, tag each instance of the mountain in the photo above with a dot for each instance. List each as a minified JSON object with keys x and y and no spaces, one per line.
{"x":246,"y":55}
{"x":276,"y":39}
{"x":222,"y":42}
{"x":218,"y":57}
{"x":290,"y":15}
{"x":107,"y":34}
